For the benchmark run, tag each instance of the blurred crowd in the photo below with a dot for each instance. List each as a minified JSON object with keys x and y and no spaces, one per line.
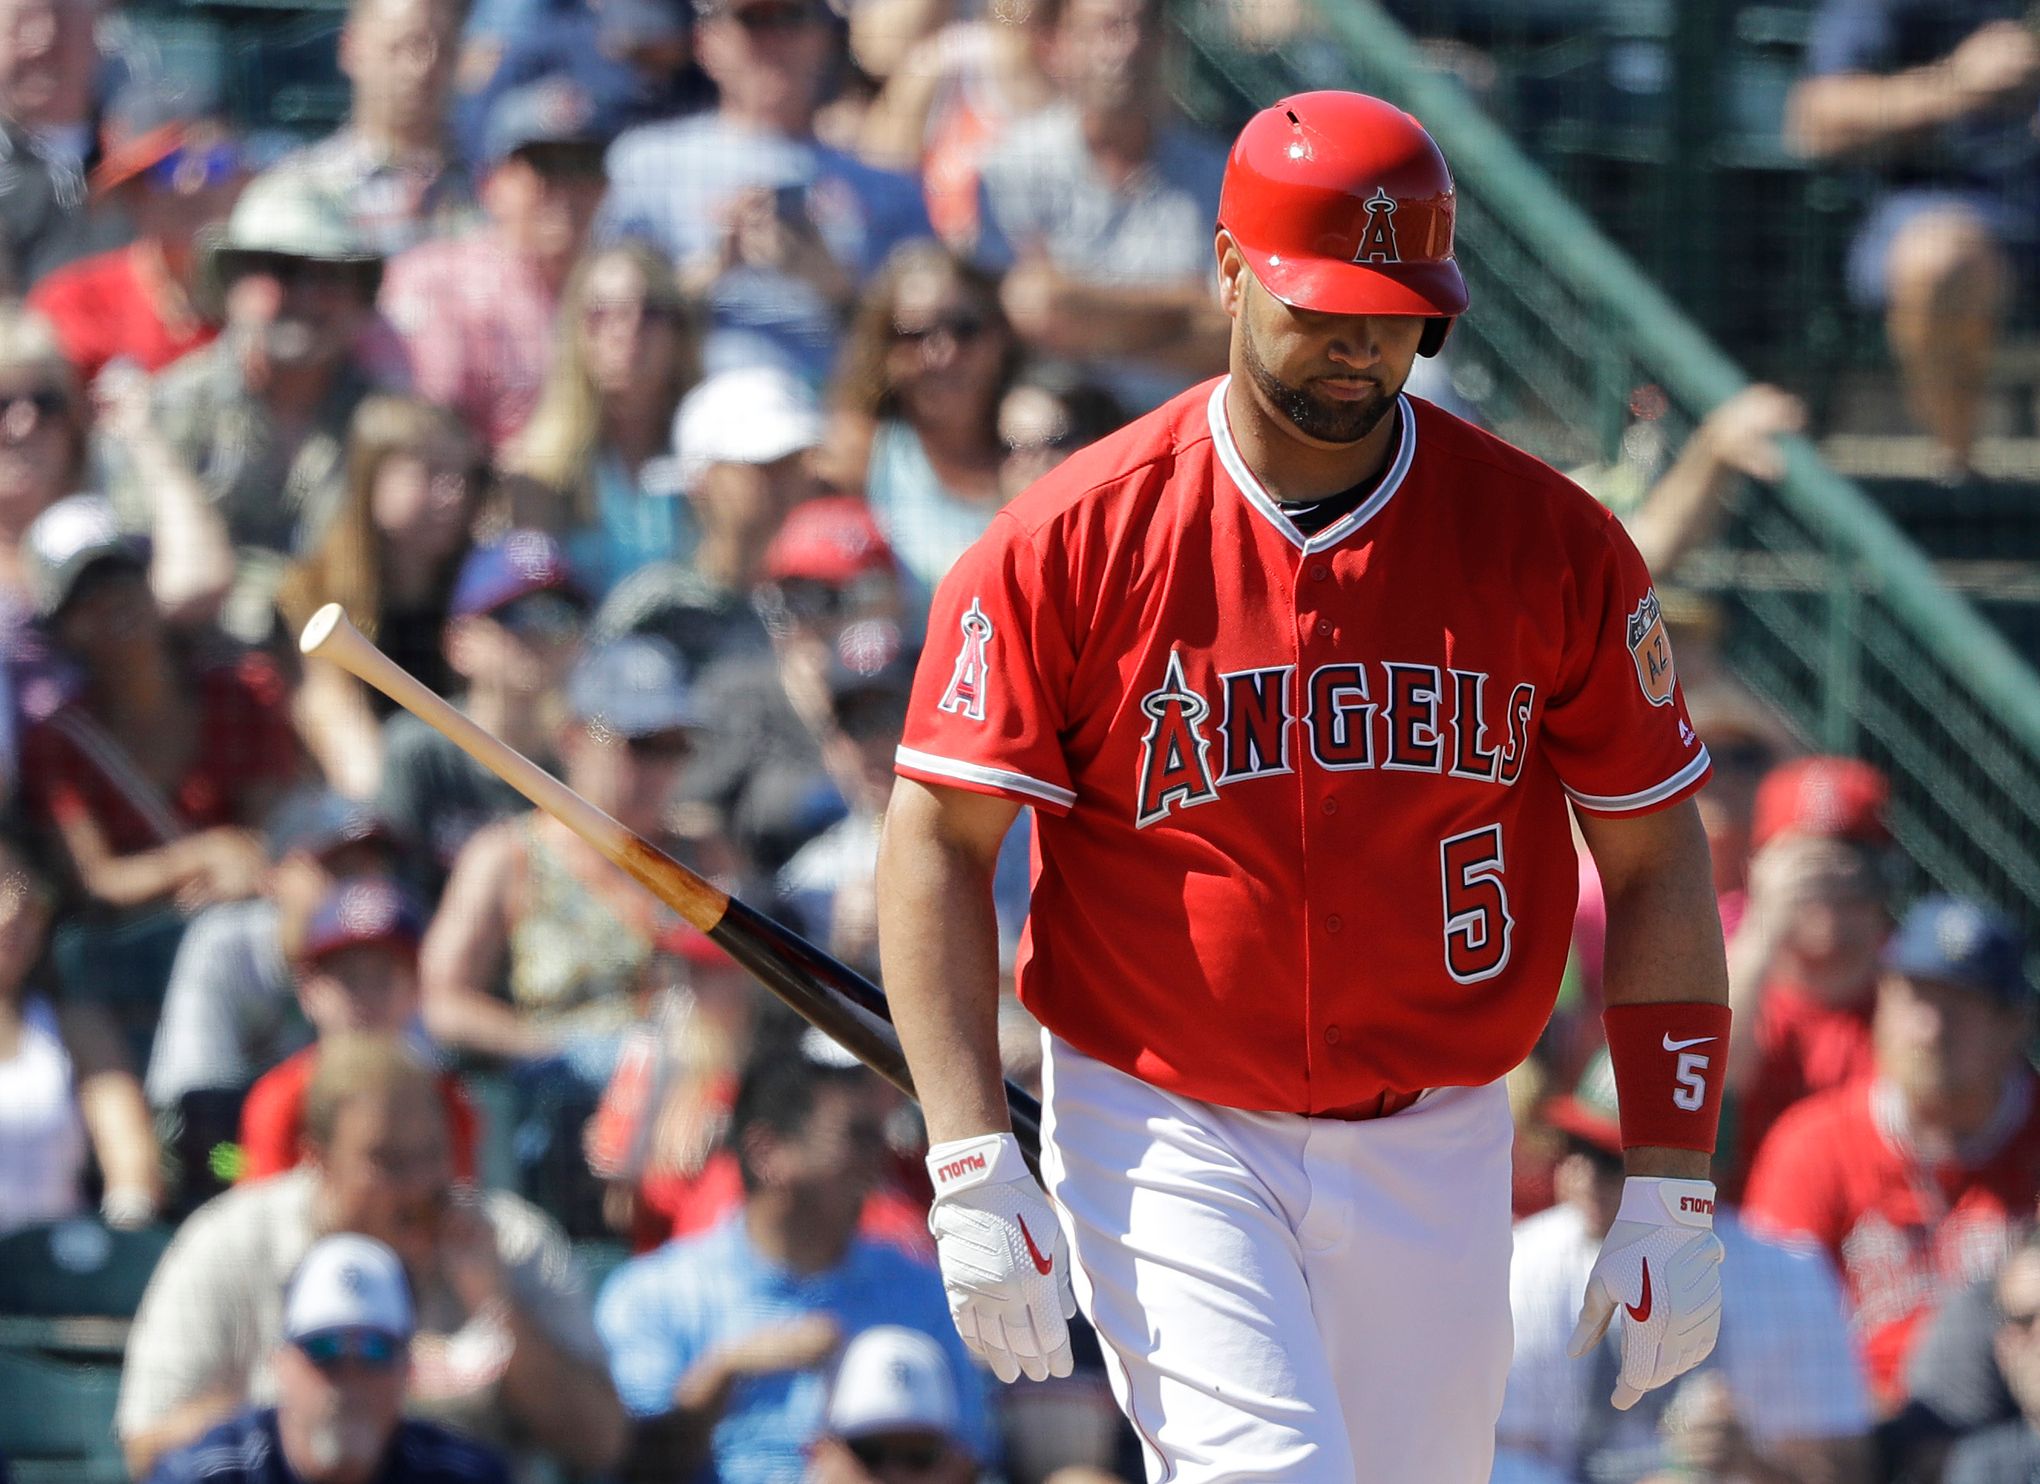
{"x":631,"y":373}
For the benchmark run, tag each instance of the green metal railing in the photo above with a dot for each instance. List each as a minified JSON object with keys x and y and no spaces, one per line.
{"x":1830,"y":614}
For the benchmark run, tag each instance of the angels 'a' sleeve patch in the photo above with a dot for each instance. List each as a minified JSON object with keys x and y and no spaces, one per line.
{"x":1651,"y":648}
{"x":965,"y":694}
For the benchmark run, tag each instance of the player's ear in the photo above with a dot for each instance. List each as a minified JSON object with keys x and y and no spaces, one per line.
{"x":1232,"y":270}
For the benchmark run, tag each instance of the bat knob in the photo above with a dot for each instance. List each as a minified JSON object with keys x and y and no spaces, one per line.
{"x":320,"y":628}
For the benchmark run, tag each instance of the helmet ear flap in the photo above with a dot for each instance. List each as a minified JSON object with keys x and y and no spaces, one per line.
{"x":1435,"y":331}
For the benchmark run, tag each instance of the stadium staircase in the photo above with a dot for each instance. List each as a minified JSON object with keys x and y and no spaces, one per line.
{"x":1831,"y":613}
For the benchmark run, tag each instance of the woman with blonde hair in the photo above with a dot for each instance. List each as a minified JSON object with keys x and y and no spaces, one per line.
{"x":415,"y":478}
{"x":591,"y":466}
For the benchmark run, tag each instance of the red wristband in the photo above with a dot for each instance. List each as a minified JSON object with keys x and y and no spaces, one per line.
{"x":1668,"y":1061}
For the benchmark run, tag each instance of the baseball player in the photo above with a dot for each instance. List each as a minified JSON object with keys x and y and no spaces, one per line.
{"x":1304,"y":680}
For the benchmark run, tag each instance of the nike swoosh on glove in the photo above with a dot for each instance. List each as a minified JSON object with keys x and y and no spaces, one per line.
{"x":1661,"y":1265}
{"x":1004,"y":1264}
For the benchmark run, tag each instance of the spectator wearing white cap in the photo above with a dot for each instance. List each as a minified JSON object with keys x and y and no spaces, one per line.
{"x":341,"y":1371}
{"x":504,"y":1347}
{"x":742,"y":444}
{"x":892,"y":1415}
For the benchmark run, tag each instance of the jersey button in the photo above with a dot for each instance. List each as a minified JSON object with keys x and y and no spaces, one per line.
{"x":1331,"y":806}
{"x":1324,"y":626}
{"x":1334,"y":923}
{"x":1319,"y":572}
{"x":1331,"y":1035}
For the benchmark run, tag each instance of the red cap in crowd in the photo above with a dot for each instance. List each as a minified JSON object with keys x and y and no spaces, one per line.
{"x":1837,"y":797}
{"x":831,"y":539}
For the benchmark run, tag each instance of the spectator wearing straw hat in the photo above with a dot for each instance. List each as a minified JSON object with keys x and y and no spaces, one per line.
{"x":260,"y":416}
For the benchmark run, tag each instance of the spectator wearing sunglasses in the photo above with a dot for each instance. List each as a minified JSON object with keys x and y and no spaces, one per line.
{"x":917,"y":406}
{"x":540,"y":942}
{"x":892,"y":1416}
{"x":260,"y":417}
{"x":2009,"y":1452}
{"x":171,"y":168}
{"x":341,"y":1373}
{"x":504,"y":1346}
{"x":773,"y":227}
{"x":477,"y":310}
{"x":45,"y":428}
{"x":513,"y":629}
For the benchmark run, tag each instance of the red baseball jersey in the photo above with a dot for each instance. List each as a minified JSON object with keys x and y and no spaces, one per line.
{"x":1301,"y":831}
{"x":1904,"y":1233}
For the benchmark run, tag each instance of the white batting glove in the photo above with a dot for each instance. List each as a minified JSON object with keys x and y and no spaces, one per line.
{"x":1661,"y":1265}
{"x":1004,"y":1264}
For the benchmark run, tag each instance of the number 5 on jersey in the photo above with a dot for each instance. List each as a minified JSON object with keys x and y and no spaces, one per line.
{"x":1477,"y":921}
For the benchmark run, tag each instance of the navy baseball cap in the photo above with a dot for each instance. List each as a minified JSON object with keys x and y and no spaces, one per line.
{"x":555,"y":109}
{"x":635,"y":686}
{"x":370,"y":909}
{"x":497,"y":575}
{"x":320,"y":822}
{"x":1961,"y":942}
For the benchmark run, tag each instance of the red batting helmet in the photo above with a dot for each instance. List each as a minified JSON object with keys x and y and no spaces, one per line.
{"x":1342,"y":203}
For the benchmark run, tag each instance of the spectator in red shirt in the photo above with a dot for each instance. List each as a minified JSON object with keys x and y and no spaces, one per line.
{"x":172,"y":169}
{"x":154,"y":778}
{"x":1917,"y":1178}
{"x":1803,"y":960}
{"x":477,"y":311}
{"x":357,"y":974}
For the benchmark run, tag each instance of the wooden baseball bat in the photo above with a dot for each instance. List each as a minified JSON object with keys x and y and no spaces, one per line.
{"x":827,"y":993}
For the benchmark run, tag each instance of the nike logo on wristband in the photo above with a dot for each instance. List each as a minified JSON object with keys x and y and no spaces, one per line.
{"x":1042,"y":1265}
{"x":1640,"y":1310}
{"x":1671,"y":1045}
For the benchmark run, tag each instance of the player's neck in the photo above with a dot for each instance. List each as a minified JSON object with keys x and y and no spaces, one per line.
{"x":1292,"y":467}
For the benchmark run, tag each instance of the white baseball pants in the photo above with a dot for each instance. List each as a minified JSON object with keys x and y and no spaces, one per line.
{"x":1289,"y":1298}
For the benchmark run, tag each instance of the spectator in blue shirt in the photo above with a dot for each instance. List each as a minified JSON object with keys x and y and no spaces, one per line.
{"x":720,"y":1344}
{"x":774,"y":228}
{"x":341,"y":1373}
{"x":1940,"y":96}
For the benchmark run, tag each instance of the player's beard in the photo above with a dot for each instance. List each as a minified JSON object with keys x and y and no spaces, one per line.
{"x":1326,"y":419}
